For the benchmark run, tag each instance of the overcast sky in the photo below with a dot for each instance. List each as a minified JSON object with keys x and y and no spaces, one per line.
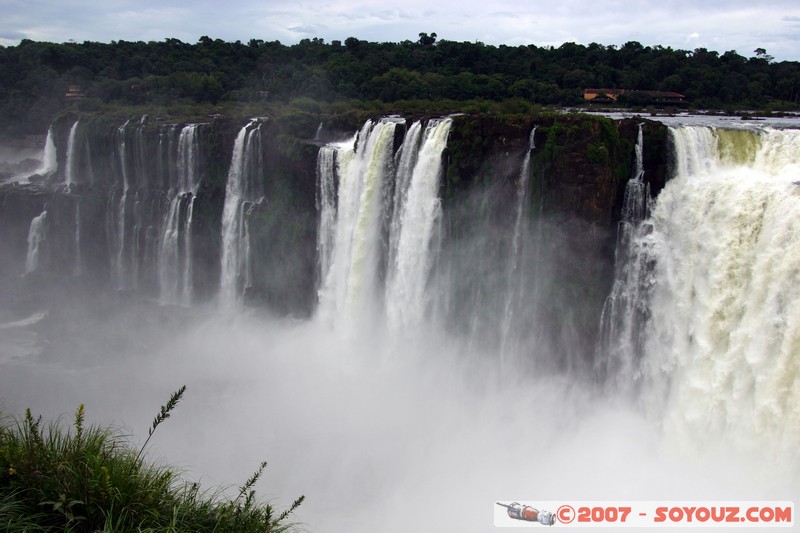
{"x":722,"y":25}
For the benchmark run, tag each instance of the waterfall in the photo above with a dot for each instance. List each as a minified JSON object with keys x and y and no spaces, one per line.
{"x":122,"y":154}
{"x":151,"y":175}
{"x":188,"y":266}
{"x":695,"y":149}
{"x":188,"y":150}
{"x":625,"y":311}
{"x":175,"y":268}
{"x":135,"y":255}
{"x":37,"y":243}
{"x":420,"y":208}
{"x":328,"y":162}
{"x":720,"y":342}
{"x":366,"y":196}
{"x":189,"y":170}
{"x":244,"y":186}
{"x":349,"y":293}
{"x":49,"y":157}
{"x":407,"y":160}
{"x":140,"y":156}
{"x":72,"y":154}
{"x":514,"y":279}
{"x":167,"y":159}
{"x":168,"y":258}
{"x":116,"y":210}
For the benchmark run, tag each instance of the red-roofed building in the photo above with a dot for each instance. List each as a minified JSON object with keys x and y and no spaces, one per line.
{"x":610,"y":96}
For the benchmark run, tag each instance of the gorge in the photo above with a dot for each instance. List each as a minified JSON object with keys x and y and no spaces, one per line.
{"x":412,"y":314}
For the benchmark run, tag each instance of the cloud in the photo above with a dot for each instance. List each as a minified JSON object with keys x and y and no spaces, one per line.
{"x":309,"y":29}
{"x":12,"y":35}
{"x":726,"y":24}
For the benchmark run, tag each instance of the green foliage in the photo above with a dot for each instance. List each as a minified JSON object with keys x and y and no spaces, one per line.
{"x":34,"y":76}
{"x":553,"y":143}
{"x":90,"y":479}
{"x":159,"y":418}
{"x":597,"y":153}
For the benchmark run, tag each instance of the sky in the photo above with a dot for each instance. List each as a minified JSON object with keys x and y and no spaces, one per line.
{"x":721,"y":25}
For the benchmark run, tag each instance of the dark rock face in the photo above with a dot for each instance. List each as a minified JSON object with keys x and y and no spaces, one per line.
{"x":578,"y":171}
{"x":284,"y":228}
{"x":579,"y":168}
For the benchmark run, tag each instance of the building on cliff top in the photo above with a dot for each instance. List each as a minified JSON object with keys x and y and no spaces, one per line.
{"x":608,"y":96}
{"x":74,"y":92}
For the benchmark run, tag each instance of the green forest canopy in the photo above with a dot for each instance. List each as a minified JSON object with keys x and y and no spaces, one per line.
{"x":34,"y":76}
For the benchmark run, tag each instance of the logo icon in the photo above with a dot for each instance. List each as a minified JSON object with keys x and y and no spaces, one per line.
{"x":528,"y":513}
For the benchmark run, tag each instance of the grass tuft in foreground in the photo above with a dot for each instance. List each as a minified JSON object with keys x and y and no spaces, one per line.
{"x":90,"y":479}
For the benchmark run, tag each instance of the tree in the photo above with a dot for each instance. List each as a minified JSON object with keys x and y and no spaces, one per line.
{"x":427,"y":40}
{"x":761,"y":53}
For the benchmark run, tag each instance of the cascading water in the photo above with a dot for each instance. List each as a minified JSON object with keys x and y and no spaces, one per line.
{"x":37,"y":243}
{"x":626,"y":311}
{"x":175,"y":254}
{"x":169,"y":256}
{"x":72,"y":154}
{"x":407,"y":160}
{"x":140,"y":152}
{"x":718,"y":348}
{"x":514,"y":279}
{"x":349,"y":294}
{"x":187,"y":284}
{"x":136,"y":256}
{"x":189,"y":170}
{"x":116,"y":215}
{"x":329,"y":162}
{"x":412,"y":411}
{"x":350,"y":229}
{"x":49,"y":156}
{"x":151,"y":175}
{"x":420,"y":208}
{"x":244,"y":188}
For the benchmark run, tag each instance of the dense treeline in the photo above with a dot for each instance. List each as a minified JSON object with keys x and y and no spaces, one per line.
{"x":35,"y":75}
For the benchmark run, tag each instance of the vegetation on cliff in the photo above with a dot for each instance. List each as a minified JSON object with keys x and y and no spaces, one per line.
{"x":426,"y":73}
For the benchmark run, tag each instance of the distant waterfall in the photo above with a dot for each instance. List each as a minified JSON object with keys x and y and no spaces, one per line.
{"x":122,"y":154}
{"x":136,"y":202}
{"x":72,"y":154}
{"x":141,"y":231}
{"x":175,"y":254}
{"x":420,"y":208}
{"x":133,"y":171}
{"x":169,"y":256}
{"x":720,"y":343}
{"x":514,"y":281}
{"x":187,"y":285}
{"x":349,"y":292}
{"x":116,"y":215}
{"x":49,"y":156}
{"x":37,"y":243}
{"x":244,"y":188}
